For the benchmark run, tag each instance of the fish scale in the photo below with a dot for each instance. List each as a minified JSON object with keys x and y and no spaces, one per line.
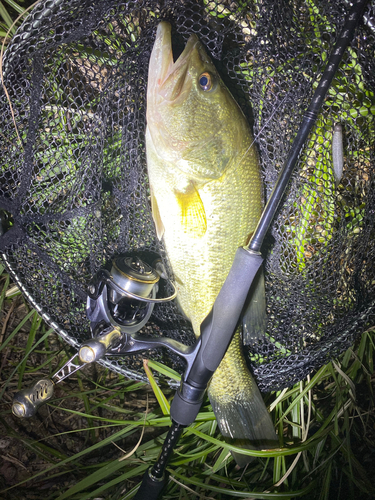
{"x":206,"y":196}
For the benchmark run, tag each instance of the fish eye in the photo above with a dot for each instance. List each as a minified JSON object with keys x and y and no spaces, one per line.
{"x":205,"y":81}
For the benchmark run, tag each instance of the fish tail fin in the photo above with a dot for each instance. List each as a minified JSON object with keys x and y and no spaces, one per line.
{"x":239,"y":408}
{"x":254,"y":319}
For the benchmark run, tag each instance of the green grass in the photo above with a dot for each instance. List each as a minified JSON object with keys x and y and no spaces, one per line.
{"x":73,"y":448}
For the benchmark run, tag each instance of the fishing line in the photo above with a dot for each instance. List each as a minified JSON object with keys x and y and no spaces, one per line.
{"x":276,"y":108}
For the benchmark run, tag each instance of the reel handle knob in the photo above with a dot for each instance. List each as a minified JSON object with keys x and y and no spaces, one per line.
{"x":26,"y":402}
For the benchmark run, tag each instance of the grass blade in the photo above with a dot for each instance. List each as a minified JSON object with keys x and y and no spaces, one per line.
{"x":162,"y":400}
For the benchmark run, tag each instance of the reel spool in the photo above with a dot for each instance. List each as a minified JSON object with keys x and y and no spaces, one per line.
{"x":123,"y":299}
{"x":125,"y":296}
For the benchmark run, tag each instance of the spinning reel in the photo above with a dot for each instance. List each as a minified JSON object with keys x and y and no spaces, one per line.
{"x":119,"y":304}
{"x":125,"y":296}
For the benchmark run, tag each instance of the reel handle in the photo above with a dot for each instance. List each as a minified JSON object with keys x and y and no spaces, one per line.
{"x":26,"y":402}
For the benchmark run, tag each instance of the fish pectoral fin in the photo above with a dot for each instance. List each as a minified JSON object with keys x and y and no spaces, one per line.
{"x":193,"y":214}
{"x":156,"y":216}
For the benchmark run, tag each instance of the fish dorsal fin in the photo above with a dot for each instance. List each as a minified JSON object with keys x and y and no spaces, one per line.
{"x":193,"y":214}
{"x":156,"y":216}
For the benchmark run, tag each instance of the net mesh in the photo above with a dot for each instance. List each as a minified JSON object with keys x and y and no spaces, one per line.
{"x":75,"y":194}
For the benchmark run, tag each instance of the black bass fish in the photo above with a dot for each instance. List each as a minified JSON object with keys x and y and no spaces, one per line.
{"x":206,"y":197}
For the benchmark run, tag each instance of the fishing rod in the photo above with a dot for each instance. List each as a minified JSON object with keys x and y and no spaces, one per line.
{"x":120,"y":301}
{"x":218,"y":327}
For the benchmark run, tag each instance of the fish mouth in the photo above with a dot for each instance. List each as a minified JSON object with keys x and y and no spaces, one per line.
{"x":168,"y":78}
